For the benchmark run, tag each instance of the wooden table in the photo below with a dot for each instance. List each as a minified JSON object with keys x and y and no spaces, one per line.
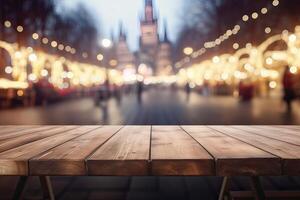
{"x":149,"y":151}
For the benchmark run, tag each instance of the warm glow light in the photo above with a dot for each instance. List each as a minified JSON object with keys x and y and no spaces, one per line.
{"x":35,"y":36}
{"x":54,"y":44}
{"x":100,"y":57}
{"x":85,"y":55}
{"x":113,"y":62}
{"x":73,"y":51}
{"x":264,"y":10}
{"x":8,"y":69}
{"x":7,"y":24}
{"x":269,"y":61}
{"x":216,"y":59}
{"x":254,"y":15}
{"x":268,"y":30}
{"x":45,"y":40}
{"x":245,"y":18}
{"x":235,"y":45}
{"x":44,"y":72}
{"x":32,"y":77}
{"x":61,"y":47}
{"x":273,"y":84}
{"x":292,"y":38}
{"x":20,"y":93}
{"x":68,"y":48}
{"x":188,"y":50}
{"x":275,"y":3}
{"x":106,"y":43}
{"x":20,"y":29}
{"x":32,"y":57}
{"x":293,"y":69}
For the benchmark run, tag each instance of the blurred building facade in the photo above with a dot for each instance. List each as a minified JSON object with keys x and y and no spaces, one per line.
{"x":154,"y":56}
{"x":125,"y":58}
{"x":155,"y":51}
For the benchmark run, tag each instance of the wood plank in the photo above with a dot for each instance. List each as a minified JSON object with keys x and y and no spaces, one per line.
{"x":23,"y":131}
{"x":289,"y":153}
{"x":286,"y":129}
{"x":28,"y":138}
{"x":278,"y":134}
{"x":15,"y":161}
{"x":174,"y":152}
{"x":125,"y":154}
{"x":234,"y":157}
{"x":10,"y":129}
{"x":69,"y":158}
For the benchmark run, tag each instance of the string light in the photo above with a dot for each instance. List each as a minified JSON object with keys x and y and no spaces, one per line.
{"x":235,"y":45}
{"x":35,"y":36}
{"x":100,"y":57}
{"x":218,"y":41}
{"x":275,"y":3}
{"x":254,"y":15}
{"x":268,"y":30}
{"x":7,"y":24}
{"x":20,"y":29}
{"x":245,"y":18}
{"x":45,"y":40}
{"x":54,"y":44}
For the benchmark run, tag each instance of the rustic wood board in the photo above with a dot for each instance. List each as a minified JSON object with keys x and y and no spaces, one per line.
{"x":286,"y":135}
{"x":234,"y":157}
{"x":125,"y":154}
{"x":70,"y":157}
{"x":174,"y":152}
{"x":15,"y":161}
{"x":288,"y":153}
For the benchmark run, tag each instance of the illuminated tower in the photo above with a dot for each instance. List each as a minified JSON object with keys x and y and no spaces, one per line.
{"x":149,"y":39}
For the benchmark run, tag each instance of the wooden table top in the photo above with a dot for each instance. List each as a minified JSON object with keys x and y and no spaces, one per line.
{"x":150,"y":150}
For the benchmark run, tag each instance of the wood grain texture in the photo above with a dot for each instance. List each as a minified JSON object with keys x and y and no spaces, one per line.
{"x":70,"y":157}
{"x":28,"y":138}
{"x":174,"y":152}
{"x":125,"y":154}
{"x":22,"y":131}
{"x":15,"y":161}
{"x":288,"y":153}
{"x":234,"y":157}
{"x":283,"y":135}
{"x":10,"y":129}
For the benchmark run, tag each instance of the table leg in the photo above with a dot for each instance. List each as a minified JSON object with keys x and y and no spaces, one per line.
{"x":20,"y":189}
{"x":257,"y":188}
{"x":224,"y":192}
{"x":47,"y":187}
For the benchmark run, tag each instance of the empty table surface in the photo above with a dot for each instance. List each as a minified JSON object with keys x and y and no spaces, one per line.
{"x":149,"y":150}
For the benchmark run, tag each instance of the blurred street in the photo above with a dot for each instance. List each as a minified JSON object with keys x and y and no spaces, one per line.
{"x":158,"y":106}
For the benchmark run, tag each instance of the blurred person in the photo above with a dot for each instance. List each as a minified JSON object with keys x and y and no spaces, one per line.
{"x":140,"y":89}
{"x":246,"y":91}
{"x":288,"y":88}
{"x":187,"y":88}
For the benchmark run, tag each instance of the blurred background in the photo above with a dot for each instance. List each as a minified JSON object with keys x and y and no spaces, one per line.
{"x":150,"y":62}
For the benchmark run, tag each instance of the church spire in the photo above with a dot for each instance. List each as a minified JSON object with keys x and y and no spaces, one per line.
{"x":166,"y":38}
{"x":149,"y":14}
{"x":122,"y":35}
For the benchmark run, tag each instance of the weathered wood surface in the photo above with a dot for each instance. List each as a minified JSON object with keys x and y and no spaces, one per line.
{"x":284,"y":134}
{"x":174,"y":152}
{"x":15,"y":161}
{"x":69,"y":158}
{"x":146,"y":150}
{"x":289,"y":153}
{"x":232,"y":156}
{"x":127,"y":153}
